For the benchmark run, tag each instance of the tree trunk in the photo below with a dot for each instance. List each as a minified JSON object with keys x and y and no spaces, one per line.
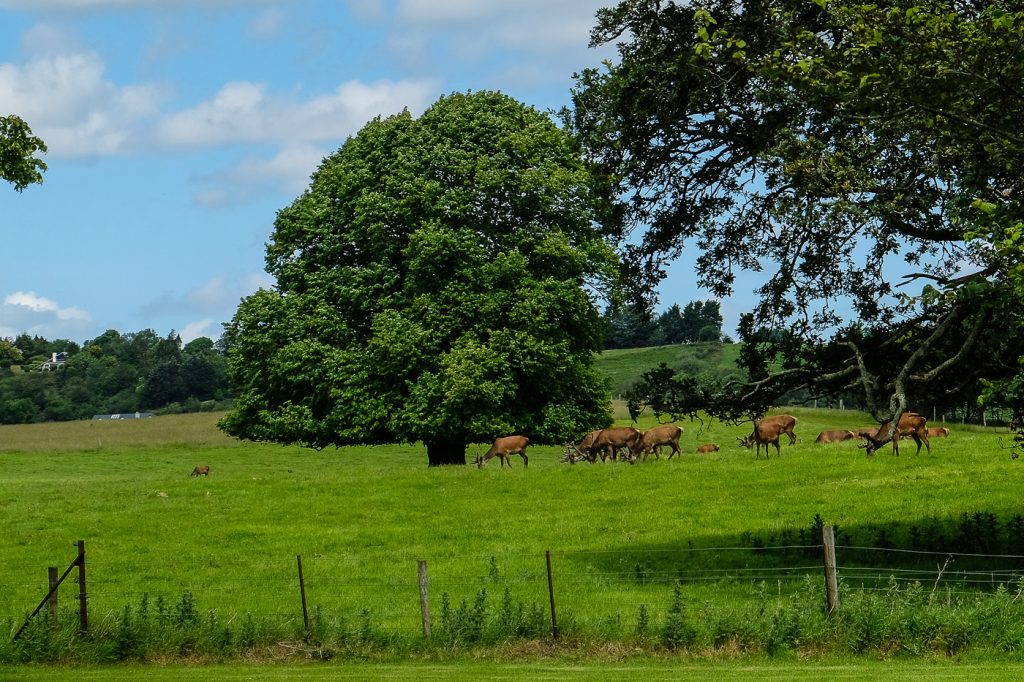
{"x":443,"y":453}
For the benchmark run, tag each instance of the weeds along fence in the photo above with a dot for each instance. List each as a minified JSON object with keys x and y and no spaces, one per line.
{"x":598,"y":594}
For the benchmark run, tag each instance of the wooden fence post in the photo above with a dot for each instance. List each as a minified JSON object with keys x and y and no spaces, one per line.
{"x":828,"y":538}
{"x":551,"y":596}
{"x":302,"y":594}
{"x":83,"y":604}
{"x":52,"y":579}
{"x":424,"y":597}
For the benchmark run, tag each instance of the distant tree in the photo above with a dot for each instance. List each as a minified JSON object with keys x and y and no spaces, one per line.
{"x":9,"y":354}
{"x":18,"y":148}
{"x":430,"y":287}
{"x":672,"y":325}
{"x":628,"y":326}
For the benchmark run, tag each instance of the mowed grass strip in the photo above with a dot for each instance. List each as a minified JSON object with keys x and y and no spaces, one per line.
{"x":361,"y":517}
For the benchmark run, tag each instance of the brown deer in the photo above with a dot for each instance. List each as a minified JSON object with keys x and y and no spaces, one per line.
{"x":835,"y":436}
{"x":584,"y":450}
{"x":652,"y":439}
{"x":611,"y":439}
{"x":504,"y":448}
{"x":706,"y":448}
{"x":910,"y":424}
{"x":201,"y":470}
{"x":938,"y":432}
{"x":767,"y":431}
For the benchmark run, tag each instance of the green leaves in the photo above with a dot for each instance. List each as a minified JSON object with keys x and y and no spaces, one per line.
{"x":18,"y":148}
{"x":430,"y":286}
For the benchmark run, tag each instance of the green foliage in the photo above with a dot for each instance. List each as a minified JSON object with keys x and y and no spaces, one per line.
{"x":18,"y":148}
{"x":824,"y":143}
{"x":430,"y":286}
{"x":113,"y":373}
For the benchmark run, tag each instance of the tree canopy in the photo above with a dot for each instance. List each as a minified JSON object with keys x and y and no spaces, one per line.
{"x":18,"y":148}
{"x":432,"y":285}
{"x":839,"y":145}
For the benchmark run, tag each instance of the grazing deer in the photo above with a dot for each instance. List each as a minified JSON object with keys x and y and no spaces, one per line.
{"x":835,"y":436}
{"x":505,"y":447}
{"x":611,"y":439}
{"x":652,"y":439}
{"x":201,"y":470}
{"x":767,"y":431}
{"x":910,"y":424}
{"x":706,"y":448}
{"x":584,"y":450}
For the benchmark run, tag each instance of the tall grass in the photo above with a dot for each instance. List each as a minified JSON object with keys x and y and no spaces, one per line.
{"x":621,"y":539}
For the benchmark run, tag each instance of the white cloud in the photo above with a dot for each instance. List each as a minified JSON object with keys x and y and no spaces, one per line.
{"x":246,"y":112}
{"x":62,"y":91}
{"x":287,"y":172}
{"x":217,"y":298}
{"x":193,"y":330}
{"x":266,"y":25}
{"x":41,"y":6}
{"x":30,"y":313}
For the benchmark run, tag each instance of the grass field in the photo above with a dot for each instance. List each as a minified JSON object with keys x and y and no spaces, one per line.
{"x":623,"y":366}
{"x":361,"y":518}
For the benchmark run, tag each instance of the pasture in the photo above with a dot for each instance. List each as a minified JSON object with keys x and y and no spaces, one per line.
{"x":621,"y":537}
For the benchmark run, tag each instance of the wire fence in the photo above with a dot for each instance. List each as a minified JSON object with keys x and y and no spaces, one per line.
{"x":591,"y":585}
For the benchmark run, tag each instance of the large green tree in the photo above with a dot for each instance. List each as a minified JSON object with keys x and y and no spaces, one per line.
{"x":432,"y":285}
{"x":18,"y":149}
{"x":832,"y":143}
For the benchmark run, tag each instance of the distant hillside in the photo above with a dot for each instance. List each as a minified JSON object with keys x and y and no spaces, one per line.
{"x":624,"y":366}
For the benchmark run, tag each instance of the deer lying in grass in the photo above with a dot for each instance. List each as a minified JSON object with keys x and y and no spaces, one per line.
{"x":835,"y":436}
{"x":505,"y":447}
{"x":201,"y":470}
{"x":706,"y":448}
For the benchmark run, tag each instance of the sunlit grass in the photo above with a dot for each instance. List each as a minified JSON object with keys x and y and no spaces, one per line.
{"x":361,"y":517}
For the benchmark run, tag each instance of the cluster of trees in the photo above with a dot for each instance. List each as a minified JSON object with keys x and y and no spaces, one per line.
{"x":829,"y":143}
{"x":630,"y":326}
{"x":113,"y":373}
{"x":438,"y":279}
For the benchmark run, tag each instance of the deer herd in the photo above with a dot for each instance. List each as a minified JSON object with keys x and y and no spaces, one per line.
{"x":625,"y":443}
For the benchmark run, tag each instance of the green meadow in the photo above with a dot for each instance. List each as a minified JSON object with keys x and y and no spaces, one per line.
{"x":711,"y":543}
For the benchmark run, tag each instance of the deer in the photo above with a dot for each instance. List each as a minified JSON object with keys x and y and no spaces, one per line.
{"x":706,"y":448}
{"x":611,"y":439}
{"x":767,"y":431}
{"x":652,"y":439}
{"x":938,"y":432}
{"x":504,"y":447}
{"x":835,"y":436}
{"x":770,"y":428}
{"x":910,"y":424}
{"x":201,"y":470}
{"x":585,"y":449}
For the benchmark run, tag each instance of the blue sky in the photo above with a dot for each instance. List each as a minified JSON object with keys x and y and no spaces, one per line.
{"x":177,"y":128}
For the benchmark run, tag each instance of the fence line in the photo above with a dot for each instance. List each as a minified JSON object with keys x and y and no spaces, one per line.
{"x":335,"y":583}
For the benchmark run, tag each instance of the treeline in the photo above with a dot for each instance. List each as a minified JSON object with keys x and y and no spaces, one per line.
{"x":628,"y":326}
{"x":114,"y":373}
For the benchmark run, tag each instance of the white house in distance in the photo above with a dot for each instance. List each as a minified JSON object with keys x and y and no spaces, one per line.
{"x":56,"y":361}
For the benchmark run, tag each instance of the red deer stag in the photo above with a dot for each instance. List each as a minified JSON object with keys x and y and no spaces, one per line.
{"x":584,"y":450}
{"x":910,"y":424}
{"x":706,"y":448}
{"x":767,"y":431}
{"x":938,"y":432}
{"x":504,"y":448}
{"x":201,"y":470}
{"x":835,"y":436}
{"x":652,"y":439}
{"x":611,"y":439}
